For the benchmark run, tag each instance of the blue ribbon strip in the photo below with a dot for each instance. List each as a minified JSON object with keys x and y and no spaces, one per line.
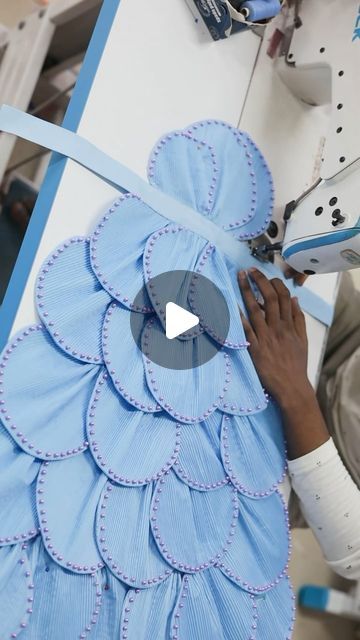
{"x":83,"y":152}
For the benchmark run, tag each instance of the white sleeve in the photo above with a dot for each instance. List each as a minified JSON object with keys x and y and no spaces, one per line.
{"x":330,"y":502}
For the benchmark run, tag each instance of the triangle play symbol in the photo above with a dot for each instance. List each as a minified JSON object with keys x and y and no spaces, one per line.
{"x":178,"y":320}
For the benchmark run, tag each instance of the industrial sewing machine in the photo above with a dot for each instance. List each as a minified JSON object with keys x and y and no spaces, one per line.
{"x":319,"y":59}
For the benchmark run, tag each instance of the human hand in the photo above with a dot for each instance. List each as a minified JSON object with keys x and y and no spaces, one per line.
{"x":299,"y":278}
{"x":277,"y":336}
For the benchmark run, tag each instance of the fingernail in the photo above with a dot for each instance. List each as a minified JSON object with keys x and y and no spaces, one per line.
{"x":242,"y":275}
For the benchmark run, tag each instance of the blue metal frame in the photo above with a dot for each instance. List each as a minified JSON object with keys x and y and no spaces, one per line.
{"x":55,"y":171}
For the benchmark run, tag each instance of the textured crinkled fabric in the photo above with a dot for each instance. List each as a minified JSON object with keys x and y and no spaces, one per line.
{"x":140,"y":502}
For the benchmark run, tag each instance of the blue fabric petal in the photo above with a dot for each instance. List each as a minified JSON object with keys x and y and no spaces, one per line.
{"x":259,"y":552}
{"x":124,"y":360}
{"x":192,"y":528}
{"x":173,"y":248}
{"x":186,"y":169}
{"x":244,"y":393}
{"x":67,"y":497}
{"x":18,"y":473}
{"x":212,"y":265}
{"x":108,"y":622}
{"x":117,"y":247}
{"x":130,"y":446}
{"x":16,"y":589}
{"x":211,"y":607}
{"x":147,"y":612}
{"x":125,"y":539}
{"x":253,"y":451}
{"x":276,"y":612}
{"x":199,"y":462}
{"x":72,"y":308}
{"x":189,"y":395}
{"x":244,"y":196}
{"x":45,"y":395}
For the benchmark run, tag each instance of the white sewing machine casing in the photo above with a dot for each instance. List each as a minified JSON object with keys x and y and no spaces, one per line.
{"x":322,"y":233}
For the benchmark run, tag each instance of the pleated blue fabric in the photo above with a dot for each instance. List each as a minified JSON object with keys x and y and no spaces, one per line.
{"x":141,"y":502}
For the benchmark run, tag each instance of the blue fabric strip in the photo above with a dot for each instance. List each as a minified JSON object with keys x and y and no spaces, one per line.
{"x":73,"y":146}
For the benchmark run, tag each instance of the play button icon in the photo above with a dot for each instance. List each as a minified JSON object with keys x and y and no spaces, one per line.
{"x":178,"y":320}
{"x":188,"y":322}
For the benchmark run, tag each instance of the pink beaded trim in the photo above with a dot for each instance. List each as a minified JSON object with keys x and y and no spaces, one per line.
{"x":234,"y":409}
{"x":128,"y":605}
{"x":152,"y":383}
{"x":120,"y":296}
{"x":44,"y":312}
{"x":293,"y":618}
{"x":132,"y":581}
{"x":226,"y":458}
{"x":175,"y":626}
{"x":258,"y":589}
{"x":159,"y":308}
{"x":99,"y":458}
{"x":197,"y":484}
{"x":28,"y":579}
{"x":96,"y":612}
{"x":6,"y":419}
{"x":220,"y":339}
{"x":20,"y":537}
{"x":163,"y":547}
{"x":119,"y":385}
{"x":46,"y":533}
{"x":182,"y":134}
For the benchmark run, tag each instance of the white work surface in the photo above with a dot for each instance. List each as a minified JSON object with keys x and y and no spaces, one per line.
{"x":160,"y":72}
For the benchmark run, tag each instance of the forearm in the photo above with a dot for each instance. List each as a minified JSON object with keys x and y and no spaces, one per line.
{"x":304,"y":426}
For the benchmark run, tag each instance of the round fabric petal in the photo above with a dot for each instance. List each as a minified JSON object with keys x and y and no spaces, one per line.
{"x":211,"y":607}
{"x":235,"y":197}
{"x":191,"y":394}
{"x":199,"y":462}
{"x":45,"y":395}
{"x":253,"y":451}
{"x":244,"y":392}
{"x":18,"y":473}
{"x":16,"y":587}
{"x":62,"y":600}
{"x":192,"y":528}
{"x":117,"y":246}
{"x":173,"y":248}
{"x":276,"y":612}
{"x":186,"y":169}
{"x":130,"y":446}
{"x":125,"y":539}
{"x":108,"y":622}
{"x":123,"y":358}
{"x":212,"y":265}
{"x":243,"y":173}
{"x":72,"y":309}
{"x":67,"y":497}
{"x":147,"y":612}
{"x":259,"y":552}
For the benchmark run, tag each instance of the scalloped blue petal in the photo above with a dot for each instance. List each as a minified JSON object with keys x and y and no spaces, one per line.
{"x":130,"y":446}
{"x":68,"y":493}
{"x":72,"y":309}
{"x":244,"y":197}
{"x":18,"y":473}
{"x":276,"y":612}
{"x":212,"y":265}
{"x":147,"y":612}
{"x":173,"y":248}
{"x":185,"y":169}
{"x":192,"y":528}
{"x":259,"y":551}
{"x":244,"y":392}
{"x":124,"y":360}
{"x":211,"y":607}
{"x":189,"y":395}
{"x":63,"y":602}
{"x":45,"y":395}
{"x":125,"y":539}
{"x":253,"y":451}
{"x":199,"y":462}
{"x":108,"y":623}
{"x":117,"y":247}
{"x":15,"y":588}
